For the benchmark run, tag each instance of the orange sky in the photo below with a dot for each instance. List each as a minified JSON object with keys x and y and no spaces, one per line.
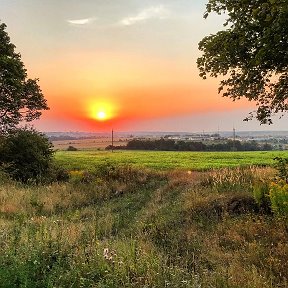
{"x":134,"y":61}
{"x":128,"y":87}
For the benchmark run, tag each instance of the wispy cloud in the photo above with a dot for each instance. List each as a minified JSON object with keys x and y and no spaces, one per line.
{"x":81,"y":22}
{"x":154,"y":12}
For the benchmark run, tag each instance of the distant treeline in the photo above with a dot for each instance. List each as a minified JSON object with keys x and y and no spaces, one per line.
{"x":179,"y":145}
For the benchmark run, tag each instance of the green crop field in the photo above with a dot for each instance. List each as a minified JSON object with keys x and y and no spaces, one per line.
{"x":166,"y":160}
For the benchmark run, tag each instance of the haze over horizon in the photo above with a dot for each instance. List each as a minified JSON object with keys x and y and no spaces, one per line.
{"x":127,"y":65}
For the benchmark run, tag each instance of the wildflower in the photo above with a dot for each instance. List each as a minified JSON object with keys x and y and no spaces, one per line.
{"x":106,"y":253}
{"x":109,"y":255}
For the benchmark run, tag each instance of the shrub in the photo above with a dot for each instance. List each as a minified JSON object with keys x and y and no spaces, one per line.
{"x":26,"y":155}
{"x":72,"y":148}
{"x":261,"y":196}
{"x":57,"y":173}
{"x":282,"y":168}
{"x":273,"y":196}
{"x":4,"y":177}
{"x":278,"y":193}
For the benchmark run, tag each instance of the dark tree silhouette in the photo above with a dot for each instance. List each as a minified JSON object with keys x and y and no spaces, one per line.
{"x":251,"y":54}
{"x":21,"y":98}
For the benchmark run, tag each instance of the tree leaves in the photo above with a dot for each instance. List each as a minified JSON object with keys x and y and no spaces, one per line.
{"x":21,"y":98}
{"x":252,"y":53}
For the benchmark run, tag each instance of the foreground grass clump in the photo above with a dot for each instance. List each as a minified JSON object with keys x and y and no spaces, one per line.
{"x":120,"y":226}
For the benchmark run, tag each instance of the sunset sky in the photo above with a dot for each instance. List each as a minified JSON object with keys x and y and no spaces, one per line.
{"x":122,"y":64}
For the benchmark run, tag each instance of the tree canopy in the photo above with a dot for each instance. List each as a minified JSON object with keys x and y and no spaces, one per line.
{"x":21,"y":98}
{"x":251,"y":54}
{"x":26,"y":155}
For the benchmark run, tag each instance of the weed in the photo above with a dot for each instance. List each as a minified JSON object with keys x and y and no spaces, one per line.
{"x":228,"y":180}
{"x":278,"y":194}
{"x":282,"y":168}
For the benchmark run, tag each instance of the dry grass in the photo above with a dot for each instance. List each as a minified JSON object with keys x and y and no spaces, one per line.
{"x":89,"y":144}
{"x":174,"y":229}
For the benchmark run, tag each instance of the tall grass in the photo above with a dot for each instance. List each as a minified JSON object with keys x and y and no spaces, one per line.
{"x":130,"y":227}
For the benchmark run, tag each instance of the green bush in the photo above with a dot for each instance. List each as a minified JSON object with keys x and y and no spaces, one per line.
{"x":261,"y":196}
{"x":282,"y":168}
{"x":278,"y":193}
{"x":56,"y":173}
{"x":72,"y":148}
{"x":26,"y":155}
{"x":273,"y":196}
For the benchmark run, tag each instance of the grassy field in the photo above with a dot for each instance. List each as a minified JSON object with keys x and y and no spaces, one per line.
{"x":113,"y":225}
{"x":141,"y":228}
{"x":165,"y":160}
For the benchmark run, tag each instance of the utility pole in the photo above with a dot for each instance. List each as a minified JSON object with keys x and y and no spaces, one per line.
{"x":234,"y":136}
{"x":112,"y":140}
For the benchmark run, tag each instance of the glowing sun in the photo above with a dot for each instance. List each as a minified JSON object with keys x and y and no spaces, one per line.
{"x":101,"y":115}
{"x":101,"y":111}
